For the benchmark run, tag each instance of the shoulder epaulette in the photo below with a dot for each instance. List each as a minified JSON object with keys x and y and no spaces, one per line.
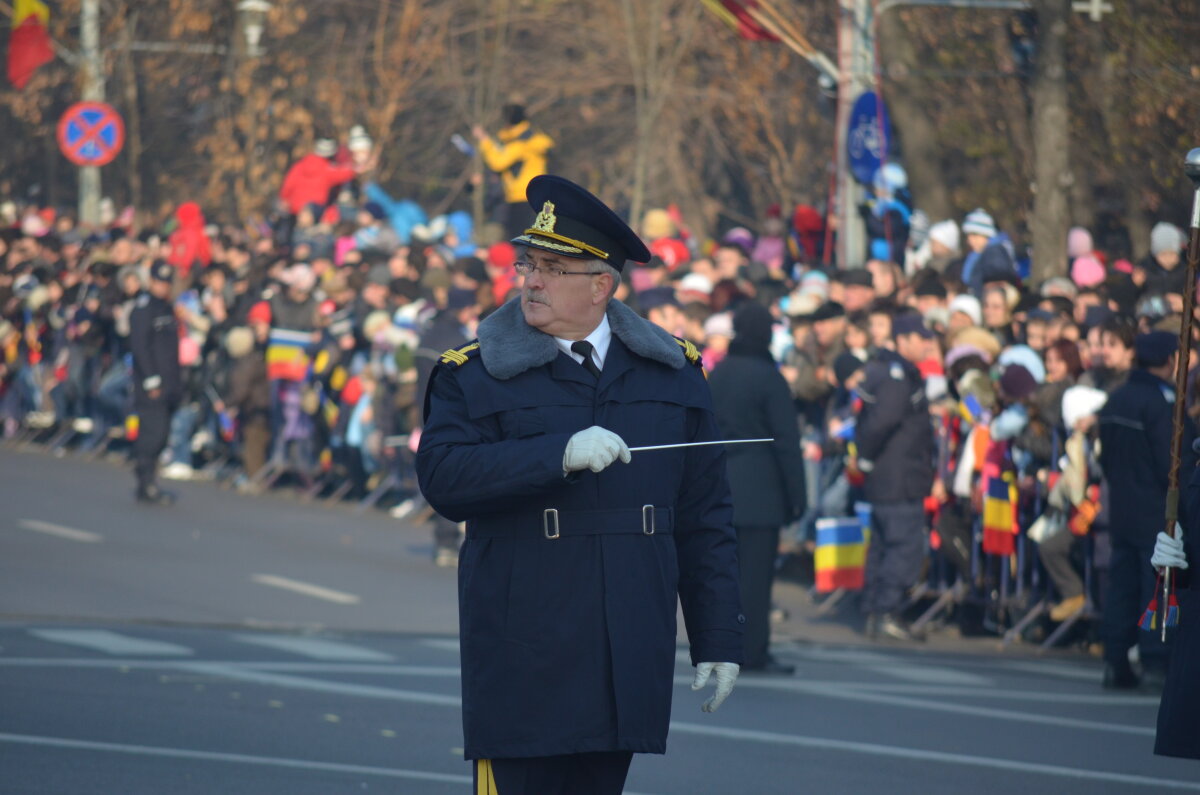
{"x":459,"y":356}
{"x":690,"y":351}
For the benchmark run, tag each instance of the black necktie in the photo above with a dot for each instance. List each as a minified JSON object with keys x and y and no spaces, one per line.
{"x":584,"y":349}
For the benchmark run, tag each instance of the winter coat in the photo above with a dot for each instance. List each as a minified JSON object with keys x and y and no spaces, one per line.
{"x":752,"y":401}
{"x":518,"y":157}
{"x":188,"y":244}
{"x":568,"y":643}
{"x":1135,"y":453}
{"x":310,"y":180}
{"x":894,"y":433}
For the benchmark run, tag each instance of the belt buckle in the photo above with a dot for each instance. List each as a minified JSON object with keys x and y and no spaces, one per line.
{"x":550,"y":518}
{"x":648,"y":520}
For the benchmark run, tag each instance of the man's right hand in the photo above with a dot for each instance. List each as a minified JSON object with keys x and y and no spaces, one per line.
{"x":594,"y":448}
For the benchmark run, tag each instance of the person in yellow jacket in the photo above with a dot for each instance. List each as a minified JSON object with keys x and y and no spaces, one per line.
{"x":518,"y":156}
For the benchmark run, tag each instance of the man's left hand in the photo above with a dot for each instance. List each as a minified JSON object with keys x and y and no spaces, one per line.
{"x":725,"y":673}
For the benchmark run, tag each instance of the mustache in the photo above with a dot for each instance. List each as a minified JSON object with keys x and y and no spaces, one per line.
{"x":536,"y":296}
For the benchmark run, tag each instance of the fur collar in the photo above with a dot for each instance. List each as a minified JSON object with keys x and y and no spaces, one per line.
{"x":508,"y":346}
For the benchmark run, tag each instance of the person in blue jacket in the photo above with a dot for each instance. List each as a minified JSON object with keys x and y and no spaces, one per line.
{"x":576,"y":550}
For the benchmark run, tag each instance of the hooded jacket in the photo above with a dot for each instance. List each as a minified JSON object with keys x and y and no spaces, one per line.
{"x":519,"y":156}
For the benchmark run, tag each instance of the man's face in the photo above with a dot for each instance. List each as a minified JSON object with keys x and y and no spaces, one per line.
{"x":668,"y":318}
{"x":829,"y":331}
{"x":913,"y":347}
{"x":856,"y":297}
{"x":567,"y":305}
{"x":727,"y":260}
{"x":1113,"y":352}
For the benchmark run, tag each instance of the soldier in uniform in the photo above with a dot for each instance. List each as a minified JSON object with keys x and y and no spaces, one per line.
{"x":576,"y":550}
{"x":1135,"y":453}
{"x":894,"y":438}
{"x":154,"y":342}
{"x":1179,"y":711}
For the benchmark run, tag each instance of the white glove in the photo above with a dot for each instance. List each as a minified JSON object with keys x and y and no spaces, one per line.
{"x":1169,"y":551}
{"x":726,"y":674}
{"x":594,"y":448}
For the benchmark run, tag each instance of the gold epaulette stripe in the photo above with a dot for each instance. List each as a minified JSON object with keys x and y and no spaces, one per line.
{"x":458,"y":356}
{"x":689,"y":350}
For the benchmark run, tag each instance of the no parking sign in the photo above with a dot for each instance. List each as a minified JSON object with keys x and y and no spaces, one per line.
{"x":91,"y":133}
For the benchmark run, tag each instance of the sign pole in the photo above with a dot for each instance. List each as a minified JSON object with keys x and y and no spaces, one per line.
{"x":93,"y":91}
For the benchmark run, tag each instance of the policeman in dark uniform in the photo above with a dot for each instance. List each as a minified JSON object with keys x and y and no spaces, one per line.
{"x":1179,"y":711}
{"x":154,"y":342}
{"x":1135,"y":453}
{"x":894,"y":439}
{"x":576,"y":550}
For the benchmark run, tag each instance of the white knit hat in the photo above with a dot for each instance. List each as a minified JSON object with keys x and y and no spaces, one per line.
{"x":969,"y":306}
{"x":979,"y":222}
{"x":359,"y":141}
{"x":325,"y":147}
{"x":946,"y":233}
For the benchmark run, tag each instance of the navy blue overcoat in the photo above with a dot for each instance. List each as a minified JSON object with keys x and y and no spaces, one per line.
{"x":568,"y":643}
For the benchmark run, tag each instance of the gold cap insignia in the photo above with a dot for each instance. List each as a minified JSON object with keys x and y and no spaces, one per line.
{"x":545,"y":220}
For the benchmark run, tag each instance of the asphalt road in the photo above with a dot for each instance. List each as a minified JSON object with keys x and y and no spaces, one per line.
{"x":262,"y":645}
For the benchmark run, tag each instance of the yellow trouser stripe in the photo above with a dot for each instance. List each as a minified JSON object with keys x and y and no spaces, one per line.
{"x":485,"y":782}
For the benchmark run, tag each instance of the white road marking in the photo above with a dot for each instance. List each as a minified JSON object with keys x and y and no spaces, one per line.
{"x":308,"y":589}
{"x":930,"y":675}
{"x":70,"y":533}
{"x":215,"y":756}
{"x":445,"y":644}
{"x":980,"y":712}
{"x":321,"y":686}
{"x":316,"y":648}
{"x":111,"y":642}
{"x":874,"y":749}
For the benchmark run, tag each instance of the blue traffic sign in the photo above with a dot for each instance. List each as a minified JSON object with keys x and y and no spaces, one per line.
{"x":91,"y":133}
{"x":867,"y":133}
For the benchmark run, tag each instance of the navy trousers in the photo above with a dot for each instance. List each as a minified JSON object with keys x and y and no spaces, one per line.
{"x":894,"y":554}
{"x":600,"y":773}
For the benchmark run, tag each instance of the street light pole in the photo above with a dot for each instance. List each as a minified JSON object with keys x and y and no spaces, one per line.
{"x":93,"y":91}
{"x":856,"y":63}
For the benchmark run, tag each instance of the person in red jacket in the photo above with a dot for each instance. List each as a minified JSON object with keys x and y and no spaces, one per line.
{"x":188,"y":243}
{"x":311,"y":178}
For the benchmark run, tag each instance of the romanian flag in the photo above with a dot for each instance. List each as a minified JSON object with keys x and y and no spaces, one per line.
{"x":131,"y":427}
{"x":29,"y":43}
{"x":736,"y":15}
{"x":841,"y":555}
{"x":287,"y":355}
{"x":1000,"y":514}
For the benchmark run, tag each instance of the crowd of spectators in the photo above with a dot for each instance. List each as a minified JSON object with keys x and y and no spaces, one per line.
{"x":306,"y":344}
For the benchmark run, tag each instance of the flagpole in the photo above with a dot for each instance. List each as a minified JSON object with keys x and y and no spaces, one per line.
{"x":1191,"y":167}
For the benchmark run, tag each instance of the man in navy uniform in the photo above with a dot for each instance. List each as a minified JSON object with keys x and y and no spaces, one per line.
{"x":575,"y":549}
{"x":894,"y":438}
{"x":1135,"y":452}
{"x":158,"y":386}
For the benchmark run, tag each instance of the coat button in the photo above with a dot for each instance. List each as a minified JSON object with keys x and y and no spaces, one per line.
{"x":741,"y":619}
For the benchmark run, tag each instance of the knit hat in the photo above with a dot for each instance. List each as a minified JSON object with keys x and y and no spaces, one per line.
{"x":1079,"y":242}
{"x":946,"y":233}
{"x":1016,"y":383}
{"x":969,"y":306}
{"x":696,"y":283}
{"x":1026,"y":357}
{"x":300,"y":277}
{"x":1087,"y":271}
{"x":325,"y":147}
{"x":259,"y":313}
{"x":1081,"y":401}
{"x":978,"y":337}
{"x":359,"y":141}
{"x":239,"y":341}
{"x":1165,"y":237}
{"x":719,"y":325}
{"x":979,"y":222}
{"x":845,"y":365}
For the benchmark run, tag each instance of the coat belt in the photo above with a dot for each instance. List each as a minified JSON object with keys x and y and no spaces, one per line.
{"x":553,"y":523}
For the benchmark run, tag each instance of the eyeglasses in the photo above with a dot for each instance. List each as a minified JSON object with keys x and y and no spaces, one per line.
{"x":529,"y":268}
